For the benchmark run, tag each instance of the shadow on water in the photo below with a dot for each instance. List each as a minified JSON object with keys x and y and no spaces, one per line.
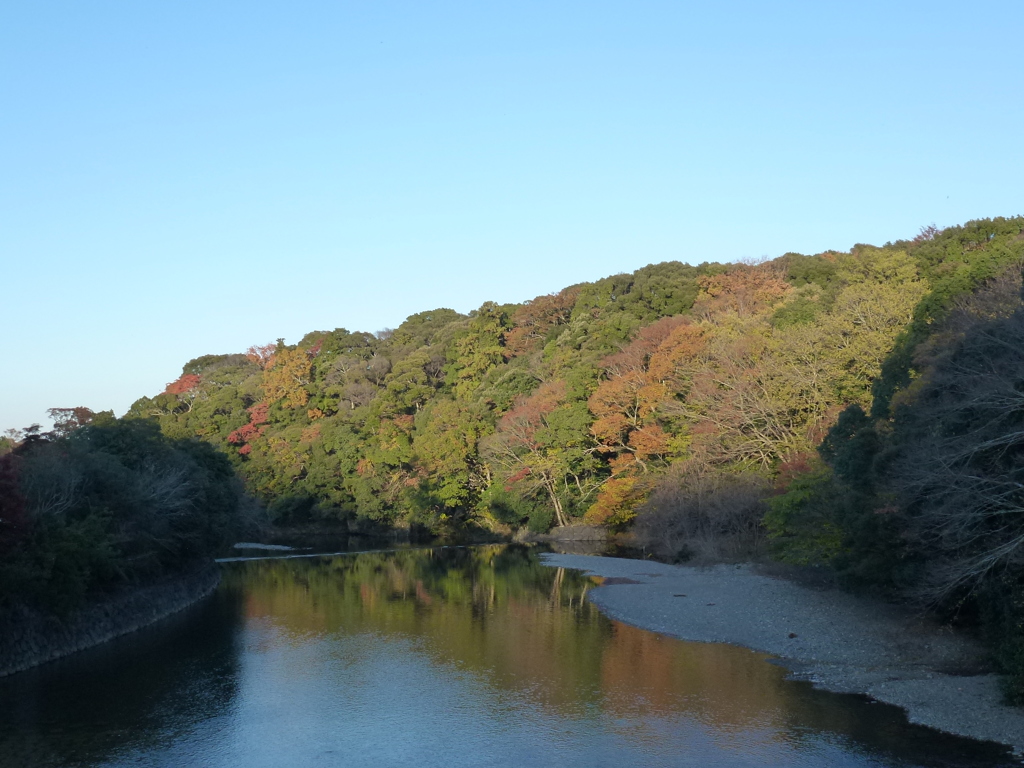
{"x":128,"y":694}
{"x":446,"y":656}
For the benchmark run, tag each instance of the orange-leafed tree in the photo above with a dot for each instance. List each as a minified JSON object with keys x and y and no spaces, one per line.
{"x":627,"y":425}
{"x":617,"y":501}
{"x":535,"y":319}
{"x":744,"y":290}
{"x":288,"y":374}
{"x":262,"y":354}
{"x":625,"y":404}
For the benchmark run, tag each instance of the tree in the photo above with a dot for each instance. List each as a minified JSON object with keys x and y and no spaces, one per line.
{"x":446,"y":456}
{"x":478,"y":350}
{"x":625,"y":404}
{"x":262,"y":355}
{"x":67,"y":420}
{"x":743,"y":290}
{"x":699,"y":512}
{"x":187,"y":388}
{"x":961,"y":466}
{"x":287,"y":374}
{"x":764,"y":394}
{"x":13,"y":521}
{"x":407,"y":388}
{"x":534,"y":320}
{"x":727,"y":367}
{"x":244,"y":435}
{"x":113,"y":501}
{"x":541,"y":444}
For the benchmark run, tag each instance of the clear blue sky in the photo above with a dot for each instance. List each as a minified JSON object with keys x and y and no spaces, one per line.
{"x":194,"y":177}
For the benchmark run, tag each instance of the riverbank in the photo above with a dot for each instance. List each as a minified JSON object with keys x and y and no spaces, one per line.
{"x":29,"y":638}
{"x":837,"y":641}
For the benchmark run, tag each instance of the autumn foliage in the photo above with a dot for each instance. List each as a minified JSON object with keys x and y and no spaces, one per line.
{"x":536,"y":319}
{"x":186,"y":383}
{"x":244,"y":435}
{"x":286,"y":375}
{"x":576,"y":404}
{"x":261,"y":355}
{"x":67,"y":420}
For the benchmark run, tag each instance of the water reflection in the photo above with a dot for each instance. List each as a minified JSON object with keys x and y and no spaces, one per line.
{"x":478,"y":656}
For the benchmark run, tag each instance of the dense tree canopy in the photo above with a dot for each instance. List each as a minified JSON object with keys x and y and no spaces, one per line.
{"x":581,"y":400}
{"x":100,"y":502}
{"x":860,"y":407}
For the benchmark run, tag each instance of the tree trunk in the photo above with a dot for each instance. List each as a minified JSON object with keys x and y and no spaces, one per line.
{"x":555,"y":502}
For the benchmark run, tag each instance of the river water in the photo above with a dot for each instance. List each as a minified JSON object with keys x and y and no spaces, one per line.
{"x":435,"y":657}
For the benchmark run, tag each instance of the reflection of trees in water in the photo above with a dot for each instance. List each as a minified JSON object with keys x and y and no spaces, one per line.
{"x":491,"y":608}
{"x":133,"y":692}
{"x":527,"y":628}
{"x":494,"y":612}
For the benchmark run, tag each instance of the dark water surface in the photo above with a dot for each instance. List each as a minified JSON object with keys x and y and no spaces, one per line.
{"x":444,"y":657}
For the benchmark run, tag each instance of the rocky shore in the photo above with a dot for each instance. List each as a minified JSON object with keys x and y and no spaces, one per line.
{"x":835,"y":640}
{"x":29,"y":638}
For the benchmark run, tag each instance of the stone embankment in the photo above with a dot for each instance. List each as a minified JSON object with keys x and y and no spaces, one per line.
{"x":29,"y":638}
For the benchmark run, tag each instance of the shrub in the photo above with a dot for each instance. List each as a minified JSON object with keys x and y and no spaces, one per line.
{"x":801,"y":522}
{"x":703,"y":515}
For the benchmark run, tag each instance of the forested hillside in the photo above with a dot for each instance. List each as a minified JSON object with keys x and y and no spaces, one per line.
{"x":581,"y":404}
{"x":860,"y":409}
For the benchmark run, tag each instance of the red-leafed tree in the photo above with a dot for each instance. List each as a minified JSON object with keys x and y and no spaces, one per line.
{"x":244,"y":435}
{"x":186,"y":383}
{"x":187,"y":388}
{"x":314,"y":350}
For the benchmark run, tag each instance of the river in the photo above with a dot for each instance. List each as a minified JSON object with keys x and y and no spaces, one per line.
{"x":475,"y":656}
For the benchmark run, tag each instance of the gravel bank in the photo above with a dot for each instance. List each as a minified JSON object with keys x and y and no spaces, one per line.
{"x":835,"y":640}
